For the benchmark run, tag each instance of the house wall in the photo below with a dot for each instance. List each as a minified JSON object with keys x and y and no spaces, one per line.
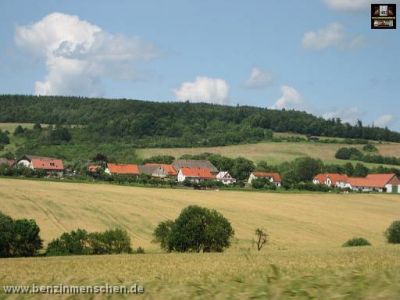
{"x":26,"y":163}
{"x":181,"y":177}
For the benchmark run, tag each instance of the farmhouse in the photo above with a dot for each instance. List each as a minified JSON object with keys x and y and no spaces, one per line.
{"x":168,"y":170}
{"x":122,"y":169}
{"x":93,"y":168}
{"x":331,"y":180}
{"x":225,"y":178}
{"x":7,"y":162}
{"x":197,"y":164}
{"x":274,"y":178}
{"x":194,"y":174}
{"x":388,"y":183}
{"x":52,"y":166}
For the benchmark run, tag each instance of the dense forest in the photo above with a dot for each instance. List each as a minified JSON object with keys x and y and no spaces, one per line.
{"x":166,"y":124}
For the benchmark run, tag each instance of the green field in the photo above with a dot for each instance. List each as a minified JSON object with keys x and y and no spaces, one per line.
{"x":274,"y":153}
{"x":303,"y":260}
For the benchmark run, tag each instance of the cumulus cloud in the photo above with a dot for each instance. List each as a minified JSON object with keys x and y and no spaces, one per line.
{"x":203,"y":89}
{"x":333,"y":35}
{"x":348,"y":115}
{"x":259,"y":79}
{"x":290,"y":99}
{"x":353,"y":5}
{"x":384,"y":120}
{"x":79,"y":54}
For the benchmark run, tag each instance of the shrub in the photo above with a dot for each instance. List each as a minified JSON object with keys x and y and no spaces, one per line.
{"x":357,"y":242}
{"x":18,"y":237}
{"x":393,"y":233}
{"x":370,"y":148}
{"x":196,"y":229}
{"x":73,"y":243}
{"x":80,"y":242}
{"x":140,"y":250}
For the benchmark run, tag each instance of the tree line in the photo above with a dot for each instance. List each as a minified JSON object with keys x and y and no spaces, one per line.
{"x":166,"y":124}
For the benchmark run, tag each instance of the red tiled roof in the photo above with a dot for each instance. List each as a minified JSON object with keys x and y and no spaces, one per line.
{"x":275,"y":176}
{"x":334,"y":177}
{"x":47,"y":163}
{"x":197,"y":173}
{"x":371,"y":181}
{"x":168,"y":168}
{"x":123,"y":169}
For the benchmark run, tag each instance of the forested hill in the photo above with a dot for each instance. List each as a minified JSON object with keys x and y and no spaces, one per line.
{"x":176,"y":124}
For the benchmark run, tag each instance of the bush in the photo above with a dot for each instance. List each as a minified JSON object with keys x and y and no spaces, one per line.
{"x":18,"y":237}
{"x":140,"y":250}
{"x":370,"y":148}
{"x":357,"y":242}
{"x":349,"y":153}
{"x":80,"y":242}
{"x":196,"y":229}
{"x":393,"y":233}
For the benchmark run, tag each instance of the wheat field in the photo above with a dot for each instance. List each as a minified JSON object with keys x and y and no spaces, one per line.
{"x":303,"y":260}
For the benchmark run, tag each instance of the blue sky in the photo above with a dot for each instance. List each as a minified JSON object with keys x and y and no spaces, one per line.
{"x":321,"y":56}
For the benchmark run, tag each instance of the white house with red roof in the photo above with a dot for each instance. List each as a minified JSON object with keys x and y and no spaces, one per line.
{"x":225,"y":178}
{"x":274,"y":178}
{"x":388,"y":183}
{"x":331,"y":180}
{"x":195,"y":174}
{"x":52,"y":166}
{"x":122,"y":169}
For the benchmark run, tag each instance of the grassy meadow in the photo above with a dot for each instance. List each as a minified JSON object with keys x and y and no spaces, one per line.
{"x":274,"y":153}
{"x":303,"y":260}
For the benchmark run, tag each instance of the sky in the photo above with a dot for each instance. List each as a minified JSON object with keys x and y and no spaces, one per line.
{"x":319,"y":56}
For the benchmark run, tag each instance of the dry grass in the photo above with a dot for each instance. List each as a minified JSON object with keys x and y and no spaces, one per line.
{"x":272,"y":152}
{"x":304,"y":259}
{"x":293,"y":220}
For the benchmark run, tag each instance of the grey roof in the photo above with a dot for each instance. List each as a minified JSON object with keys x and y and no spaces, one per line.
{"x":190,"y":163}
{"x":148,"y":170}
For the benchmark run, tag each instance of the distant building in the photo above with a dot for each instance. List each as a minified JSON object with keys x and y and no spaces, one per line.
{"x":274,"y":178}
{"x":165,"y":169}
{"x":195,"y":174}
{"x":52,"y":166}
{"x":8,"y":162}
{"x":93,"y":168}
{"x":225,"y":178}
{"x":388,"y":183}
{"x":191,"y":163}
{"x":122,"y":169}
{"x":331,"y":180}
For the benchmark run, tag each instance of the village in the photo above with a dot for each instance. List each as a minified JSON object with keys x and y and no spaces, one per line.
{"x":197,"y":171}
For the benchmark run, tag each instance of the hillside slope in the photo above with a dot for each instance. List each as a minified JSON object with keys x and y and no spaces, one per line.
{"x":292,"y":220}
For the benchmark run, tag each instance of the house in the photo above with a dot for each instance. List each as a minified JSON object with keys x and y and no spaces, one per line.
{"x":169,"y":170}
{"x":122,"y":169}
{"x":153,"y":170}
{"x":93,"y":168}
{"x":197,"y":164}
{"x":331,"y":180}
{"x":274,"y":178}
{"x":8,"y":162}
{"x":195,"y":174}
{"x":388,"y":183}
{"x":225,"y":177}
{"x":52,"y":166}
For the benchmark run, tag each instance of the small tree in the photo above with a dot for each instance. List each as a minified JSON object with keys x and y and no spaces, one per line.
{"x":393,"y":233}
{"x":261,"y":238}
{"x":196,"y":229}
{"x":26,"y":238}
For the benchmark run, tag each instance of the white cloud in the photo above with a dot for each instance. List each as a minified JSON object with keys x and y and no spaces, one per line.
{"x":259,"y":79}
{"x":79,"y":54}
{"x":333,"y":35}
{"x":384,"y":120}
{"x":354,"y":5}
{"x":203,"y":89}
{"x":348,"y":115}
{"x":290,"y":99}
